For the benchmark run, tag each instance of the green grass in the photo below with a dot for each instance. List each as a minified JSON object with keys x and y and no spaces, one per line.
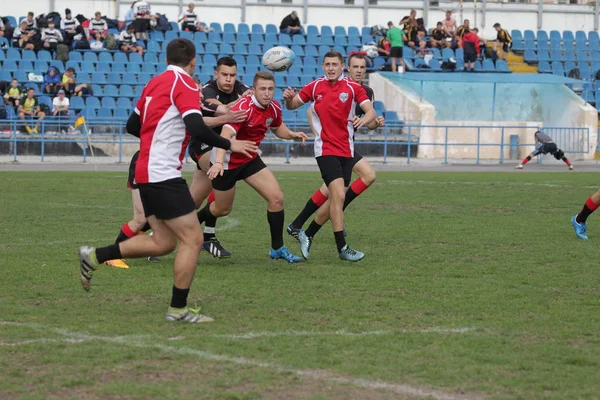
{"x":494,"y":253}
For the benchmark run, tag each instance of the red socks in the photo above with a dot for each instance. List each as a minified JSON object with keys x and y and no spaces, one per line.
{"x":211,"y":197}
{"x":128,"y":231}
{"x":590,"y":204}
{"x":358,"y":186}
{"x":318,"y":198}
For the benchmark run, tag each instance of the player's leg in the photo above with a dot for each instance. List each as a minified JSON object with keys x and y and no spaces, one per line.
{"x":534,"y":153}
{"x":224,"y":192}
{"x":265,"y":183}
{"x":560,"y":155}
{"x":579,"y":221}
{"x":312,"y":205}
{"x":200,"y":187}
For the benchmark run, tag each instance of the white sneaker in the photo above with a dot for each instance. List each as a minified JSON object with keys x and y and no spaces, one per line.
{"x":520,"y":166}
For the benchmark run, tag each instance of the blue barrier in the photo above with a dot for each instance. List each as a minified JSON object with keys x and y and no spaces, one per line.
{"x":571,"y":140}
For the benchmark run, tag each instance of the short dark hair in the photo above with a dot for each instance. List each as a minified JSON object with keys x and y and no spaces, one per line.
{"x":497,"y":25}
{"x":14,"y":79}
{"x":265,"y":75}
{"x":357,"y":56}
{"x":30,"y":14}
{"x":334,"y":54}
{"x":70,"y":69}
{"x":226,"y":61}
{"x":180,"y":52}
{"x":474,"y":30}
{"x":439,"y":23}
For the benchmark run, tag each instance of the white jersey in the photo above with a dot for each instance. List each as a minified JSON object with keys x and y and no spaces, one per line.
{"x":52,"y":35}
{"x":58,"y":103}
{"x":190,"y":18}
{"x":68,"y":24}
{"x":126,"y":38}
{"x":141,"y":9}
{"x":96,"y":25}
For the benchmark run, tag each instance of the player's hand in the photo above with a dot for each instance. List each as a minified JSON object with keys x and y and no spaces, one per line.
{"x":358,"y":122}
{"x":243,"y":146}
{"x":289,"y":93}
{"x":299,"y":137}
{"x":236,"y":116}
{"x":248,"y":92}
{"x":380,"y":121}
{"x":215,"y":170}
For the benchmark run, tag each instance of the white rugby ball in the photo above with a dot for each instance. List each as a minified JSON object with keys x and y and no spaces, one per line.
{"x":278,"y":58}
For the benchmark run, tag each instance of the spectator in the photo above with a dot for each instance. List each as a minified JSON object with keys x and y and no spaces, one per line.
{"x":141,"y":24}
{"x":60,"y":105}
{"x":411,"y":34}
{"x":291,"y":24}
{"x":51,"y":36}
{"x":31,"y":109}
{"x":191,"y":20}
{"x":31,"y":22}
{"x":449,"y":23}
{"x":384,"y":46}
{"x":127,"y":42}
{"x":2,"y":28}
{"x":396,"y":37}
{"x":471,"y":46}
{"x":98,"y":27}
{"x":71,"y":28}
{"x":69,"y":84}
{"x":438,"y":37}
{"x":23,"y":38}
{"x":503,"y":40}
{"x":129,"y":15}
{"x":460,"y":32}
{"x":422,"y":50}
{"x":51,"y":81}
{"x":13,"y":95}
{"x":406,"y":21}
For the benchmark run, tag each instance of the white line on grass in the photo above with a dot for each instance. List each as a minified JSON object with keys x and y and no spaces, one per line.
{"x":230,"y":224}
{"x":309,"y":373}
{"x":87,"y":206}
{"x":44,"y":341}
{"x":256,"y":335}
{"x":486,"y":183}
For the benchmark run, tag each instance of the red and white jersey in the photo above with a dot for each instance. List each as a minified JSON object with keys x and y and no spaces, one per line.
{"x":332,"y":114}
{"x":258,"y":121}
{"x":165,"y":101}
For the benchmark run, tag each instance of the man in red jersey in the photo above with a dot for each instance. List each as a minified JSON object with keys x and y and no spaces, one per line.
{"x":357,"y":69}
{"x":227,"y":168}
{"x":166,"y":116}
{"x":334,"y":100}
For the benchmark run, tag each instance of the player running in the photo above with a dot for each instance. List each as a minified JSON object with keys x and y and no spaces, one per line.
{"x":357,"y":68}
{"x":227,"y":169}
{"x":547,"y":145}
{"x":334,"y":100}
{"x":166,"y":115}
{"x":224,"y":89}
{"x":213,"y":115}
{"x":579,"y":221}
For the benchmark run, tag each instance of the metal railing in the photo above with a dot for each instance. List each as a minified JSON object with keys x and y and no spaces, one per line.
{"x":392,"y":141}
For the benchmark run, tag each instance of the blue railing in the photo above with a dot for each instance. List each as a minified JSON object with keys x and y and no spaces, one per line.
{"x":571,"y":140}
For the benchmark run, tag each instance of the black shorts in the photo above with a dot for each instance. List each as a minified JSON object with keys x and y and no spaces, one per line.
{"x":356,"y":159}
{"x":506,"y":47}
{"x":549,"y":148}
{"x":141,"y":25}
{"x":230,"y":177}
{"x":470,"y":56}
{"x":167,"y":200}
{"x":334,"y":167}
{"x":396,"y":52}
{"x":131,"y":178}
{"x":197,"y":149}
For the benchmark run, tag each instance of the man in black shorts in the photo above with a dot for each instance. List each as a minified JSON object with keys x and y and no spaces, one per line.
{"x":223,"y":89}
{"x":166,"y":114}
{"x":546,"y":145}
{"x":334,"y":99}
{"x":357,"y":70}
{"x":503,"y":40}
{"x":471,"y":49}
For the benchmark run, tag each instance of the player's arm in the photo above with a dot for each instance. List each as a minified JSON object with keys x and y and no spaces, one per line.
{"x":134,"y":124}
{"x":210,"y":96}
{"x":283,"y":132}
{"x":217,"y":168}
{"x":369,"y":117}
{"x":292,"y":101}
{"x":378,"y":122}
{"x":231,"y":117}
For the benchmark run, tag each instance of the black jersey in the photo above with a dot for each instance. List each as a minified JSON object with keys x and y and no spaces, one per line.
{"x":359,"y":111}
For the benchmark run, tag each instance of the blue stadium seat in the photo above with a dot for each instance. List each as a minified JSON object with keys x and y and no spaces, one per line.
{"x":171,"y":35}
{"x":243,"y":38}
{"x":26,"y":66}
{"x":285,"y":40}
{"x":21,"y":76}
{"x":201,"y":37}
{"x":570,"y":65}
{"x":99,"y":78}
{"x":312,"y":30}
{"x":97,"y":89}
{"x":240,"y":48}
{"x":595,"y":56}
{"x":569,"y":46}
{"x":543,"y":55}
{"x":174,"y":26}
{"x":105,"y":113}
{"x":585,"y":72}
{"x":136,"y":58}
{"x":121,"y":114}
{"x":207,"y":69}
{"x":339,"y":30}
{"x":593,"y":37}
{"x":92,"y":103}
{"x":108,"y":102}
{"x":74,"y":64}
{"x":226,"y":49}
{"x":530,"y":44}
{"x":306,"y":79}
{"x":583,"y":56}
{"x":310,"y":70}
{"x":252,"y":69}
{"x":151,"y":58}
{"x":153,"y":46}
{"x":109,"y":90}
{"x":299,"y":39}
{"x":313,"y":40}
{"x":341,"y":50}
{"x":5,"y":76}
{"x":58,"y":64}
{"x":103,"y":67}
{"x":126,"y":91}
{"x":214,"y":37}
{"x":541,"y":36}
{"x":556,"y":55}
{"x":257,"y":29}
{"x":212,"y":48}
{"x":530,"y":56}
{"x":255,"y":49}
{"x":243,"y":28}
{"x":298,"y":50}
{"x":447,"y":54}
{"x":354,"y":41}
{"x":134,"y":68}
{"x":568,"y":36}
{"x":353,"y":31}
{"x":311,"y":62}
{"x":581,"y":45}
{"x":139,"y":89}
{"x":45,"y":100}
{"x":229,"y":28}
{"x":555,"y":35}
{"x":149,"y":68}
{"x":229,"y":37}
{"x":487,"y":65}
{"x":13,"y":54}
{"x":118,"y":67}
{"x":311,"y":51}
{"x":124,"y":103}
{"x":210,"y":59}
{"x":558,"y":68}
{"x":293,"y":80}
{"x":589,"y":96}
{"x":186,"y":35}
{"x":40,"y":67}
{"x":408,"y":53}
{"x":105,"y":57}
{"x":543,"y":45}
{"x":90,"y":56}
{"x":114,"y":78}
{"x":326,"y":40}
{"x":159,"y":36}
{"x":340,"y":41}
{"x":253,"y":61}
{"x":271,"y":28}
{"x":257,"y":38}
{"x":570,"y":56}
{"x":528,"y":35}
{"x":28,"y":55}
{"x":544,"y":67}
{"x":280,"y":81}
{"x":390,"y":116}
{"x":121,"y":58}
{"x":326,"y":30}
{"x":88,"y":67}
{"x":77,"y":103}
{"x":240,"y":60}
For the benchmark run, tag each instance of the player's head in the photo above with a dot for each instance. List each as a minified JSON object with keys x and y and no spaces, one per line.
{"x":357,"y":67}
{"x":191,"y":6}
{"x":14,"y":83}
{"x":333,"y":65}
{"x":30,"y":93}
{"x":497,"y":26}
{"x":264,"y":87}
{"x":98,"y":16}
{"x":226,"y":74}
{"x":466,"y":23}
{"x":448,"y":14}
{"x":182,"y":53}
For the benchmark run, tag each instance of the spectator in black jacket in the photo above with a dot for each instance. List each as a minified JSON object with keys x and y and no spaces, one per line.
{"x":291,"y":24}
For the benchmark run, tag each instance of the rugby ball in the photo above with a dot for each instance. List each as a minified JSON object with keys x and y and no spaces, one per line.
{"x":278,"y":58}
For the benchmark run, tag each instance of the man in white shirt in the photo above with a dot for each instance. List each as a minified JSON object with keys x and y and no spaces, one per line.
{"x":127,"y":42}
{"x":51,"y":36}
{"x":23,"y":38}
{"x":98,"y":27}
{"x":191,"y":20}
{"x":60,"y":105}
{"x":71,"y":27}
{"x":141,"y":24}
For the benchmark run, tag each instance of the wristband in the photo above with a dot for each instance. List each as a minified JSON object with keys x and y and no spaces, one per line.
{"x":218,"y":162}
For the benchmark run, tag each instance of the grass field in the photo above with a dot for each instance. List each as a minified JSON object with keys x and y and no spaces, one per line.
{"x":474,"y":286}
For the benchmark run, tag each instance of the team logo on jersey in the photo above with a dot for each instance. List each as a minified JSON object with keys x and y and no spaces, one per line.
{"x":269,"y":121}
{"x":344,"y":97}
{"x":203,"y":146}
{"x":319,"y":97}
